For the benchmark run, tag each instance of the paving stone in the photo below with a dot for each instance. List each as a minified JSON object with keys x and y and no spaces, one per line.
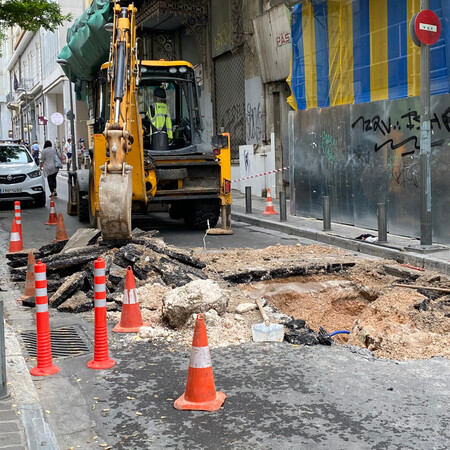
{"x":7,"y":414}
{"x":8,"y":427}
{"x":7,"y":440}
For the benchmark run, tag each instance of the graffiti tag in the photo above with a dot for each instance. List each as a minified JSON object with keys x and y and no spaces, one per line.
{"x":406,"y":175}
{"x":327,"y":145}
{"x":410,"y":120}
{"x":253,"y":122}
{"x":223,"y":36}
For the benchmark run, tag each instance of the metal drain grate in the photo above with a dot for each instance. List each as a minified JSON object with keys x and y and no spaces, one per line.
{"x":65,"y":342}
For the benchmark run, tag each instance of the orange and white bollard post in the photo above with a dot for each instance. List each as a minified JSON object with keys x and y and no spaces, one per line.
{"x":45,"y":365}
{"x":18,"y":217}
{"x":101,"y":354}
{"x":200,"y":393}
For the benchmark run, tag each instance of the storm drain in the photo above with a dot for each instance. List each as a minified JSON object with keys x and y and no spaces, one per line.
{"x":65,"y":342}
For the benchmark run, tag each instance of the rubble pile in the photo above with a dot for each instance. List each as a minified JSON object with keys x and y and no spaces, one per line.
{"x":394,"y":310}
{"x":172,"y":285}
{"x":70,"y":280}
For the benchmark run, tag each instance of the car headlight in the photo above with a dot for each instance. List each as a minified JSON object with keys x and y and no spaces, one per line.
{"x":34,"y":174}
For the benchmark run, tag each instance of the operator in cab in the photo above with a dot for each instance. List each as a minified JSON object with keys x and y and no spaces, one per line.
{"x":160,"y":121}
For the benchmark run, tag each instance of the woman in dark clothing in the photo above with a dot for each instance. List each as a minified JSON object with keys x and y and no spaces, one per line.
{"x":47,"y":164}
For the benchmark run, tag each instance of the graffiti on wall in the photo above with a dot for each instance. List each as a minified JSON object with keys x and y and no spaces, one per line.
{"x":372,"y":154}
{"x":327,"y":146}
{"x":390,"y":129}
{"x":223,"y":36}
{"x":253,"y":122}
{"x":253,"y":111}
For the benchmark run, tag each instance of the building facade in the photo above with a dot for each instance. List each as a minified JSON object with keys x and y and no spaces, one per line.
{"x":38,"y":97}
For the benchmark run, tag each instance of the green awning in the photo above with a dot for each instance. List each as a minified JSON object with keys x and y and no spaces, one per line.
{"x":88,"y":42}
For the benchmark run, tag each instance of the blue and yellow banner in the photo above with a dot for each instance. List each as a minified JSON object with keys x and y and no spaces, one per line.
{"x":356,"y":51}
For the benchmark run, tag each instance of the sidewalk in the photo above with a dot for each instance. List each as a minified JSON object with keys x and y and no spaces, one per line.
{"x":23,"y":424}
{"x":342,"y":236}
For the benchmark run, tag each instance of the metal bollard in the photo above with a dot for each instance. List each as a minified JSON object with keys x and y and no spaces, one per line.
{"x":326,"y":213}
{"x":283,"y":216}
{"x":382,"y":224}
{"x":248,"y":199}
{"x":3,"y":390}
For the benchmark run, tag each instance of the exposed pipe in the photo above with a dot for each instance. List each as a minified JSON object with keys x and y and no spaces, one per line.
{"x":339,"y":332}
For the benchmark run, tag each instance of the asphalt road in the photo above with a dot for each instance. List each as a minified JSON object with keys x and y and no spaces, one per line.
{"x":278,"y":395}
{"x":36,"y":233}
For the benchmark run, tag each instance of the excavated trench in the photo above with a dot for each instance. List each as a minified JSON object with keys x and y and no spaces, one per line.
{"x":392,"y":322}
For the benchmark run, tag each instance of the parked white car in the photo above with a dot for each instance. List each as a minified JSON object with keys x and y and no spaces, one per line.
{"x":20,"y":177}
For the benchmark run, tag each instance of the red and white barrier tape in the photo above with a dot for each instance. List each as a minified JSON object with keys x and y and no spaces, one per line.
{"x":260,"y":174}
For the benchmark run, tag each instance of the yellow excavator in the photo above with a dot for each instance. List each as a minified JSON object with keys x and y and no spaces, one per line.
{"x":136,"y":167}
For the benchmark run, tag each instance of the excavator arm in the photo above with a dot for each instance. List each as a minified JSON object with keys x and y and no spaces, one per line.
{"x":115,"y":185}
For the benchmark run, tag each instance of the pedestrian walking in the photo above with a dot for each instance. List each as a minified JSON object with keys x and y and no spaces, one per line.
{"x":50,"y":164}
{"x":35,"y":152}
{"x":68,"y":152}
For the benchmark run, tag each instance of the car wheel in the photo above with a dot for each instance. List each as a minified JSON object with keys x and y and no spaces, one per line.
{"x":39,"y":200}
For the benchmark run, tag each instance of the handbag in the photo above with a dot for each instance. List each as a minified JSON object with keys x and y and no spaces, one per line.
{"x":58,"y":163}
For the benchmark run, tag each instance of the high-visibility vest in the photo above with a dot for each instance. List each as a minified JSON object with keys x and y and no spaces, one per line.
{"x":161,"y":121}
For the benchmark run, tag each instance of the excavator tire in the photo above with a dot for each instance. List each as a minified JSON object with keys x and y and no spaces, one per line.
{"x":198,"y":213}
{"x":93,"y":217}
{"x":82,"y":205}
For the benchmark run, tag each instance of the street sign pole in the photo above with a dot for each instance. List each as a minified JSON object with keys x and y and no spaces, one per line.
{"x":425,"y":142}
{"x":425,"y":30}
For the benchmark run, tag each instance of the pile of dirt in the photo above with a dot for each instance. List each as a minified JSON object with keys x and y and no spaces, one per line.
{"x":392,"y":322}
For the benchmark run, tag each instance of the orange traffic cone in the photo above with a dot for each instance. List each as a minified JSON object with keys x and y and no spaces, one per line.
{"x":45,"y":364}
{"x":101,"y":354}
{"x":61,"y":234}
{"x":15,"y":241}
{"x":269,"y":205}
{"x":131,"y":318}
{"x":200,"y":392}
{"x":18,"y":217}
{"x":52,"y":218}
{"x":29,"y":280}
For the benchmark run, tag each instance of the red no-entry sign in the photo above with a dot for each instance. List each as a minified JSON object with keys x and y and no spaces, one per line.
{"x":427,"y":27}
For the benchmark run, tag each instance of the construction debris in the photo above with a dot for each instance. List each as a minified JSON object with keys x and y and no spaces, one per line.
{"x":312,"y":290}
{"x":195,"y":297}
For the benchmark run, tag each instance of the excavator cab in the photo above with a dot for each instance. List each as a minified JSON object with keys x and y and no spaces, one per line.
{"x":180,"y":127}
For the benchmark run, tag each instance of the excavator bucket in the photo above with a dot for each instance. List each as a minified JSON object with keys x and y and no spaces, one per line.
{"x":115,"y":197}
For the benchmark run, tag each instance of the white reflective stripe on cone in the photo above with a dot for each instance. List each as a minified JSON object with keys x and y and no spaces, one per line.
{"x":15,"y":236}
{"x":99,"y":303}
{"x":99,"y":272}
{"x":39,"y":276}
{"x":130,"y":297}
{"x":41,"y":308}
{"x":40,"y":292}
{"x":99,"y":287}
{"x":200,"y":358}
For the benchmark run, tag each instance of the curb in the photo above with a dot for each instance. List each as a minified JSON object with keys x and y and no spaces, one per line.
{"x":367,"y":248}
{"x":37,"y":429}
